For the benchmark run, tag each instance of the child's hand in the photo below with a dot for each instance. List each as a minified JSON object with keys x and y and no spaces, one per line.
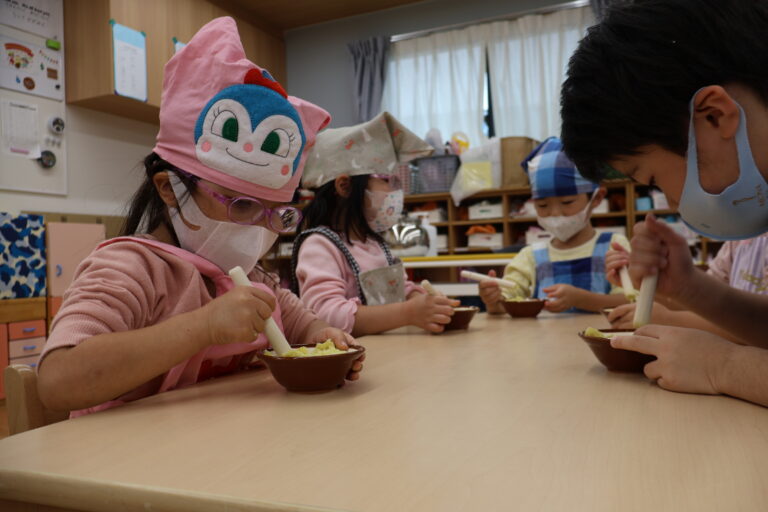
{"x":658,"y":249}
{"x":623,"y":316}
{"x":687,"y":360}
{"x":615,"y":259}
{"x":343,"y":341}
{"x":238,"y":316}
{"x":561,"y":297}
{"x":490,"y":291}
{"x":430,"y":312}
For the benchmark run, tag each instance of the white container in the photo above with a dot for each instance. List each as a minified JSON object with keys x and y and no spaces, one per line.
{"x":441,"y":242}
{"x":490,"y":240}
{"x":485,"y":210}
{"x":659,"y":200}
{"x":535,"y":234}
{"x":285,"y":249}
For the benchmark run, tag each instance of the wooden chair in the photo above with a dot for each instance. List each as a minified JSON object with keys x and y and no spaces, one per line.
{"x":25,"y":410}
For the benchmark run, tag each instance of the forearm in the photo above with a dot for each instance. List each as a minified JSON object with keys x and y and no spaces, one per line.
{"x":694,"y":321}
{"x":376,"y":319}
{"x":742,"y":375}
{"x":741,"y":314}
{"x":106,"y":366}
{"x":590,"y":301}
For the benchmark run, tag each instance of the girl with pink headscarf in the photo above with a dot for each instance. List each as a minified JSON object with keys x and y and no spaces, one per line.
{"x":155,"y":310}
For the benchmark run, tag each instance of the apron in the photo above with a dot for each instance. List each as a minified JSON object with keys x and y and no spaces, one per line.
{"x":376,"y":287}
{"x":585,"y":273}
{"x":214,"y":360}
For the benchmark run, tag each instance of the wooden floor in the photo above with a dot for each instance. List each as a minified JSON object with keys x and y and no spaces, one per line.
{"x":3,"y":420}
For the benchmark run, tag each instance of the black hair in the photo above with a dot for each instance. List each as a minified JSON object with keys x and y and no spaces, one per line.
{"x":631,"y":79}
{"x":146,"y":209}
{"x":344,"y":215}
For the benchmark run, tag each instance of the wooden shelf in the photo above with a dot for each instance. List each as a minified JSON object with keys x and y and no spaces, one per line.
{"x":472,"y":222}
{"x":669,"y":211}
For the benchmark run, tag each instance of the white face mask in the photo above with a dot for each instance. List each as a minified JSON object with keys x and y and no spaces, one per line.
{"x":385,"y":209}
{"x":563,"y":227}
{"x":225,"y":244}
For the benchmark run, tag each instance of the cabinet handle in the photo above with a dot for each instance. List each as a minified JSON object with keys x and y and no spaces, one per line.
{"x":29,"y":347}
{"x":28,"y":329}
{"x":59,"y":269}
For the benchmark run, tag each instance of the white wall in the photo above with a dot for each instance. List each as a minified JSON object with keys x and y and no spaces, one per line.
{"x":104,"y":155}
{"x":319,"y":65}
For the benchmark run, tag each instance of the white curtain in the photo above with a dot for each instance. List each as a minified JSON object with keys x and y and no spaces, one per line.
{"x":527,"y":59}
{"x":436,"y":81}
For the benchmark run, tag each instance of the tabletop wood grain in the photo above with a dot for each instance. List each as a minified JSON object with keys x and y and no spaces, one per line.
{"x":510,"y":415}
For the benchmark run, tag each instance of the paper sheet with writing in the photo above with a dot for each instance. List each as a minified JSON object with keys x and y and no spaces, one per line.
{"x":130,"y":59}
{"x":44,"y":18}
{"x":19,"y":122}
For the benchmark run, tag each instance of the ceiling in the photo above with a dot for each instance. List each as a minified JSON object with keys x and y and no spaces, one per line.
{"x":283,"y":15}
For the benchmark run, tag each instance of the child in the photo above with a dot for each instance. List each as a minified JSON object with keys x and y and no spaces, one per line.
{"x":157,"y":311}
{"x":567,"y":271}
{"x":342,"y":267}
{"x":743,"y":264}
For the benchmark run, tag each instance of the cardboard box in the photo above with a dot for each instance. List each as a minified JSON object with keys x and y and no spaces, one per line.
{"x":485,"y":210}
{"x":513,"y":151}
{"x":490,"y":240}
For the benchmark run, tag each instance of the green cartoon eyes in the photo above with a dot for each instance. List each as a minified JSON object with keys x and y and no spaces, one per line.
{"x":271,"y":144}
{"x":277,"y":142}
{"x":225,"y":125}
{"x":230,"y":129}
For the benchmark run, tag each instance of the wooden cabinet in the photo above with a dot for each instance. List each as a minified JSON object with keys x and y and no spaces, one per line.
{"x":68,"y":245}
{"x":3,"y":355}
{"x":88,"y":48}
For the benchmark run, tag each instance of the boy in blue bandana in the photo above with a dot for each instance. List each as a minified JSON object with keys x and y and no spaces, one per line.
{"x":569,"y":269}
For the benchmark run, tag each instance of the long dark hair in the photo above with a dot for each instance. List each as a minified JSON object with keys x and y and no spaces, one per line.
{"x":345,"y":215}
{"x":146,"y":209}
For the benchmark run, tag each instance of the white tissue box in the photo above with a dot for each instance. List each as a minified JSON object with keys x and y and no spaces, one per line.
{"x":490,"y":240}
{"x":485,"y":211}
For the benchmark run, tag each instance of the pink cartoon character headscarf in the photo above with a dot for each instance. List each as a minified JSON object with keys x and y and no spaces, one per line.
{"x":226,"y":120}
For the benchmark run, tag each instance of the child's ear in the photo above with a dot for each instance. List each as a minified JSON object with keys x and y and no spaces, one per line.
{"x":343,"y":185}
{"x":163,"y":186}
{"x":599,"y":196}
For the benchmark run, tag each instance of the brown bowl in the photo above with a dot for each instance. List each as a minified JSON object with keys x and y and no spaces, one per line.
{"x":616,"y":359}
{"x":319,"y":373}
{"x":462,"y":315}
{"x":528,"y":308}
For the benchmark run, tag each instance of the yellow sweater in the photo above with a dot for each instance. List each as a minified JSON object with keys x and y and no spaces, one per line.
{"x":522,"y":269}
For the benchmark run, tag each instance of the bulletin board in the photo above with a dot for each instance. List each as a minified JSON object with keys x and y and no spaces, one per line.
{"x":32,"y":110}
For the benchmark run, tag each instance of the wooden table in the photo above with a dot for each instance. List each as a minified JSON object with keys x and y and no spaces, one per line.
{"x":511,"y":415}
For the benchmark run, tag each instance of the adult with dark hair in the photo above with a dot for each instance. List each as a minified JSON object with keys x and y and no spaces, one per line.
{"x":155,"y":310}
{"x":675,"y":93}
{"x":342,"y":267}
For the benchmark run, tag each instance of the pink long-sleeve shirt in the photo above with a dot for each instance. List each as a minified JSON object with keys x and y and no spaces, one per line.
{"x":128,"y":285}
{"x":327,"y":283}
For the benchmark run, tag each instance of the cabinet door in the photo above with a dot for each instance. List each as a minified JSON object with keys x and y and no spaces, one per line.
{"x":3,"y":355}
{"x":68,"y":244}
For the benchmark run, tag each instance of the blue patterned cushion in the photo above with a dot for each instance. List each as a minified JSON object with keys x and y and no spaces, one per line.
{"x":22,"y":256}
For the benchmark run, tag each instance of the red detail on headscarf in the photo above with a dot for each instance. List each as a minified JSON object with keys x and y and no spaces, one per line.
{"x":254,"y":76}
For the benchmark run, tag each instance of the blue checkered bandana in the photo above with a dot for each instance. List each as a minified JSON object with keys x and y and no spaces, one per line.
{"x":551,"y":173}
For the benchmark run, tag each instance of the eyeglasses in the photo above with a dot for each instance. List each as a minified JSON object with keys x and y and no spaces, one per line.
{"x":393,"y":180}
{"x":250,"y":211}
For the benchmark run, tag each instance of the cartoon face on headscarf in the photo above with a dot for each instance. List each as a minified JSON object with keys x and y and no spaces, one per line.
{"x":251,"y":129}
